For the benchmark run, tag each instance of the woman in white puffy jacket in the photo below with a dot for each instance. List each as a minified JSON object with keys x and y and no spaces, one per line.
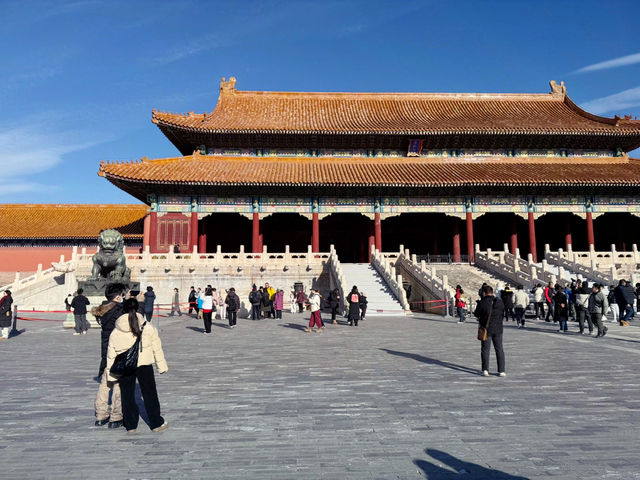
{"x":129,"y":327}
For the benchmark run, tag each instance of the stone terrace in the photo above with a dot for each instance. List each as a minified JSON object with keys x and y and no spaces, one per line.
{"x":395,"y":398}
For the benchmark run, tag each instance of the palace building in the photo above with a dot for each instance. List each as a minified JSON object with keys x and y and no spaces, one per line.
{"x":437,"y":172}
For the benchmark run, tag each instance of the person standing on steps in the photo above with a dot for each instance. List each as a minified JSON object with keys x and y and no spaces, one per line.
{"x":79,"y":305}
{"x":354,"y":306}
{"x":316,"y":318}
{"x":334,"y":304}
{"x":598,"y":305}
{"x":490,"y":314}
{"x":233,"y":305}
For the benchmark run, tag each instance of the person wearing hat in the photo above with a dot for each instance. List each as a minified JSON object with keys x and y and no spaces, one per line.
{"x":314,"y":302}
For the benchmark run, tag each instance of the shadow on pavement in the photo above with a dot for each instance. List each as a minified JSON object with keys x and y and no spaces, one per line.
{"x":195,"y":329}
{"x":433,"y":361}
{"x":295,"y":326}
{"x":15,"y":333}
{"x":434,"y":471}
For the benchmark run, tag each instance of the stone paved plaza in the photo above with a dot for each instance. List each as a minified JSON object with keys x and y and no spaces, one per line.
{"x":395,"y":398}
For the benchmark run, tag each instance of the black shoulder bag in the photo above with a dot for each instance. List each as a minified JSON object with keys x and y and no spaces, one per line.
{"x":126,"y":362}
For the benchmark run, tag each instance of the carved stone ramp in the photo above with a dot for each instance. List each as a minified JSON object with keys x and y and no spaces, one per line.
{"x":380,"y":298}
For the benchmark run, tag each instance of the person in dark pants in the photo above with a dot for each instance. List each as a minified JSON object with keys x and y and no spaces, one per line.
{"x":354,"y":306}
{"x":560,"y":308}
{"x":79,"y":305}
{"x":334,"y":303}
{"x":582,"y":306}
{"x":548,"y":299}
{"x":507,"y":300}
{"x":490,"y":313}
{"x":149,"y":298}
{"x":300,"y":299}
{"x":598,"y":306}
{"x":363,"y":305}
{"x":129,"y":327}
{"x":233,"y":305}
{"x":193,"y":301}
{"x":207,"y":308}
{"x":255,"y":298}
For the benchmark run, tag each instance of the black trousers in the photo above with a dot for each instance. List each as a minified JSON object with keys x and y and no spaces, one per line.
{"x":278,"y":313}
{"x":485,"y":350}
{"x":334,"y":312}
{"x":148,"y":315}
{"x":104,"y":345}
{"x":300,"y":306}
{"x":582,"y":314}
{"x":255,"y":312}
{"x":206,"y":317}
{"x":147,"y":381}
{"x":232,"y":315}
{"x":549,"y":312}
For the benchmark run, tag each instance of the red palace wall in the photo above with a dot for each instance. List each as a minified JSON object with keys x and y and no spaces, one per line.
{"x":26,"y":259}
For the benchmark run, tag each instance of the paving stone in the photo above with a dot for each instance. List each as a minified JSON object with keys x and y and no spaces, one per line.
{"x":395,"y":398}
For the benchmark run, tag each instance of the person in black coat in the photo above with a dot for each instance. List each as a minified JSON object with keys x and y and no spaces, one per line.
{"x":561,"y":308}
{"x":354,"y":306}
{"x":5,"y":314}
{"x":149,"y":299}
{"x":255,"y":299}
{"x":363,"y":305}
{"x":334,"y":303}
{"x":507,"y":299}
{"x":193,"y":301}
{"x":490,"y":312}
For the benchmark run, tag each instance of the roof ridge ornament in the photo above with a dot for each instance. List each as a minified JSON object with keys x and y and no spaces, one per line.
{"x":228,"y":86}
{"x":558,"y":90}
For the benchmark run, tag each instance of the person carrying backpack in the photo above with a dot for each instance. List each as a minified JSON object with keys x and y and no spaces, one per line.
{"x":354,"y":306}
{"x":233,"y":305}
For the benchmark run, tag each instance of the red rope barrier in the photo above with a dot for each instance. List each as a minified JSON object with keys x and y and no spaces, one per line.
{"x":27,"y":319}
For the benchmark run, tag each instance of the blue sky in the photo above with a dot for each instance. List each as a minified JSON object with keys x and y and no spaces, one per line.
{"x":78,"y":79}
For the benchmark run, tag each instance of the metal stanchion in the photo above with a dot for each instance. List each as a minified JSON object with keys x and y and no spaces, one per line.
{"x":14,"y":329}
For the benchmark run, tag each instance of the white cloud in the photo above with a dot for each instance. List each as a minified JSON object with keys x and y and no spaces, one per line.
{"x":614,"y":63}
{"x":190,"y":48}
{"x":9,"y":189}
{"x":618,"y":102}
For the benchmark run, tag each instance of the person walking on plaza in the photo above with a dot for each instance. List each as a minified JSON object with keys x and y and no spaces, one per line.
{"x":461,"y":304}
{"x":490,"y":314}
{"x":300,"y":300}
{"x":334,"y":304}
{"x":79,"y":305}
{"x":507,"y":299}
{"x":255,"y":297}
{"x":292,"y":302}
{"x":278,"y":303}
{"x":316,"y":318}
{"x":363,"y":305}
{"x":538,"y":302}
{"x":149,"y":299}
{"x":175,"y":303}
{"x":354,"y":306}
{"x":193,"y":302}
{"x":207,"y":308}
{"x":598,"y":305}
{"x":233,"y":305}
{"x":520,"y":302}
{"x":106,"y":315}
{"x":5,"y":314}
{"x":625,"y":298}
{"x":129,"y":327}
{"x":560,"y":308}
{"x":548,"y":299}
{"x":199,"y":296}
{"x":582,"y":306}
{"x":613,"y":305}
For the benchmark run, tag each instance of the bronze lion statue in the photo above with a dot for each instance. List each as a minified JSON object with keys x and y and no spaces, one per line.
{"x":110,"y":261}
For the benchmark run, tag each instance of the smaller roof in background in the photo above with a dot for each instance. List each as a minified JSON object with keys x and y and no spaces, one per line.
{"x":48,"y":221}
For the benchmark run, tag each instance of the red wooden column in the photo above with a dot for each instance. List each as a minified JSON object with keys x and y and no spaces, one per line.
{"x":256,"y":246}
{"x":315,"y":233}
{"x":513,"y":239}
{"x":470,"y":246}
{"x":377,"y":231}
{"x":146,"y":234}
{"x":568,"y":237}
{"x":533,"y":249}
{"x":193,"y":231}
{"x":457,"y":258}
{"x":590,"y":237}
{"x":202,"y":236}
{"x":153,"y":232}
